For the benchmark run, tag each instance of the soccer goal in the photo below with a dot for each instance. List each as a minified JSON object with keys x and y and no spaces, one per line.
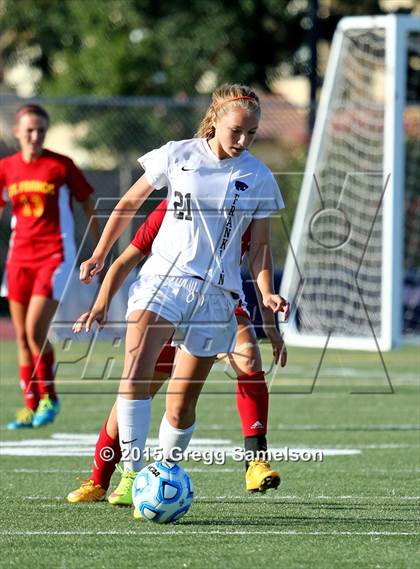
{"x":353,"y":264}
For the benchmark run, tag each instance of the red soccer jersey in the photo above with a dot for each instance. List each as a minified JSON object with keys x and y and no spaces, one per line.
{"x":41,"y":195}
{"x":147,"y":232}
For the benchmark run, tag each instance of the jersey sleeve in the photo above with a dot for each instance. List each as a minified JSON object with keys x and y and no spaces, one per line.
{"x":155,"y":165}
{"x":147,"y":232}
{"x":270,"y":199}
{"x":76,"y":181}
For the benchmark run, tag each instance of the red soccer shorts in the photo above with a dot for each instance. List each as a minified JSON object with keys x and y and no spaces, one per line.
{"x":23,"y":282}
{"x":166,"y":359}
{"x":241,"y":311}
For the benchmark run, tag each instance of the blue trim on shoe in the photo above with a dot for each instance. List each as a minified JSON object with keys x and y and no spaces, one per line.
{"x":13,"y":425}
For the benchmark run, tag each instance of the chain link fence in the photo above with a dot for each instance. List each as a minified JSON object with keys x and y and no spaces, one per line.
{"x":105,"y":136}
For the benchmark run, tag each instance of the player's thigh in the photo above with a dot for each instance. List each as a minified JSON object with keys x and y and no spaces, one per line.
{"x":18,"y":315}
{"x":165,"y":362}
{"x":163,"y":368}
{"x":246,"y":356}
{"x":184,"y":388}
{"x":145,"y":337}
{"x":41,"y":310}
{"x":158,"y":380}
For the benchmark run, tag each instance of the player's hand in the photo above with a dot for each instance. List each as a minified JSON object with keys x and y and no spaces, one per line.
{"x":277,"y":343}
{"x":277,"y":303}
{"x":90,"y":268}
{"x":87,"y":319}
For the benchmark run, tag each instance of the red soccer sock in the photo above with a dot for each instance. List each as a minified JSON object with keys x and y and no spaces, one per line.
{"x":107,"y":456}
{"x":252,"y":403}
{"x":29,"y":387}
{"x":44,"y":373}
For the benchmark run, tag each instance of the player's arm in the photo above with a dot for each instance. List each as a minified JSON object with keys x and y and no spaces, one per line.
{"x":3,"y":201}
{"x":261,"y":266}
{"x":112,"y":282}
{"x":118,"y":221}
{"x":2,"y":189}
{"x":89,"y":211}
{"x":270,"y":329}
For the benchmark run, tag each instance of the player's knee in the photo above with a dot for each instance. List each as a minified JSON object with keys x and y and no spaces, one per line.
{"x":247,"y":358}
{"x":36,"y":338}
{"x":181,"y":414}
{"x":134,"y":386}
{"x":251,"y":364}
{"x":22,"y":340}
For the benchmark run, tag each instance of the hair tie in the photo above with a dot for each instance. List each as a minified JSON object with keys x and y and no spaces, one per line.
{"x":243,"y":97}
{"x":32,"y":108}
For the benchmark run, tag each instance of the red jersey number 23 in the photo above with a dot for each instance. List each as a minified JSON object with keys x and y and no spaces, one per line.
{"x":31,"y":205}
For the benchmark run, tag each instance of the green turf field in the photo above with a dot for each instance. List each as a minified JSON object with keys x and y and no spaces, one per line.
{"x":357,"y":508}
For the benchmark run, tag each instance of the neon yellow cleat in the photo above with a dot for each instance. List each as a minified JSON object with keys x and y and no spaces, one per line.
{"x":88,"y":492}
{"x":260,"y":476}
{"x":24,"y":418}
{"x":137,"y":515}
{"x":121,"y":496}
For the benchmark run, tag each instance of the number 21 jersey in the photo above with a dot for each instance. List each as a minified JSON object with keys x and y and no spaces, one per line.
{"x":210,"y":204}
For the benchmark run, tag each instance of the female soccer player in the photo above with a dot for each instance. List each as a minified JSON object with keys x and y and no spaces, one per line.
{"x":189,"y":286}
{"x":251,"y":395}
{"x":40,"y":185}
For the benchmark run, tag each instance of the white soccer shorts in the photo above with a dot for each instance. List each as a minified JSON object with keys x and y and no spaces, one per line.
{"x":202,"y":313}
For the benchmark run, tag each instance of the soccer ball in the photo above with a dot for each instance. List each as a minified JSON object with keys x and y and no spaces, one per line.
{"x":162,"y":492}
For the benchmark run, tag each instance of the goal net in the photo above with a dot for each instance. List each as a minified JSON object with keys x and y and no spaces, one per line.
{"x":353,"y":269}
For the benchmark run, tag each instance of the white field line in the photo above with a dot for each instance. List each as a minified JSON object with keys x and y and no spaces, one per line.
{"x":216,"y":470}
{"x":47,"y":471}
{"x":210,"y":451}
{"x":262,"y":498}
{"x":32,"y":448}
{"x":333,"y":426}
{"x":28,"y":533}
{"x":269,"y":499}
{"x":62,"y":439}
{"x":309,"y":427}
{"x":43,"y":498}
{"x":208,"y":470}
{"x":277,"y":454}
{"x":387,"y":471}
{"x":277,"y":386}
{"x":386,"y":446}
{"x":358,"y":427}
{"x":75,"y":444}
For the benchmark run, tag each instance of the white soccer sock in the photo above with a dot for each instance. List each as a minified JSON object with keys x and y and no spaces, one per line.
{"x":171,"y":438}
{"x":133,"y":428}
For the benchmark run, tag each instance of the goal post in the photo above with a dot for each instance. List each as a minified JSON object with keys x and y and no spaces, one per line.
{"x":351,"y":244}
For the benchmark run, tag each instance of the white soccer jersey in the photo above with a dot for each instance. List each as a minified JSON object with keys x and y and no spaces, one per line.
{"x":211,"y":202}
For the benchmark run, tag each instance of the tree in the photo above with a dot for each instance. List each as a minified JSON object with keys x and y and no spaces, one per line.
{"x":179,"y":49}
{"x":143,"y":47}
